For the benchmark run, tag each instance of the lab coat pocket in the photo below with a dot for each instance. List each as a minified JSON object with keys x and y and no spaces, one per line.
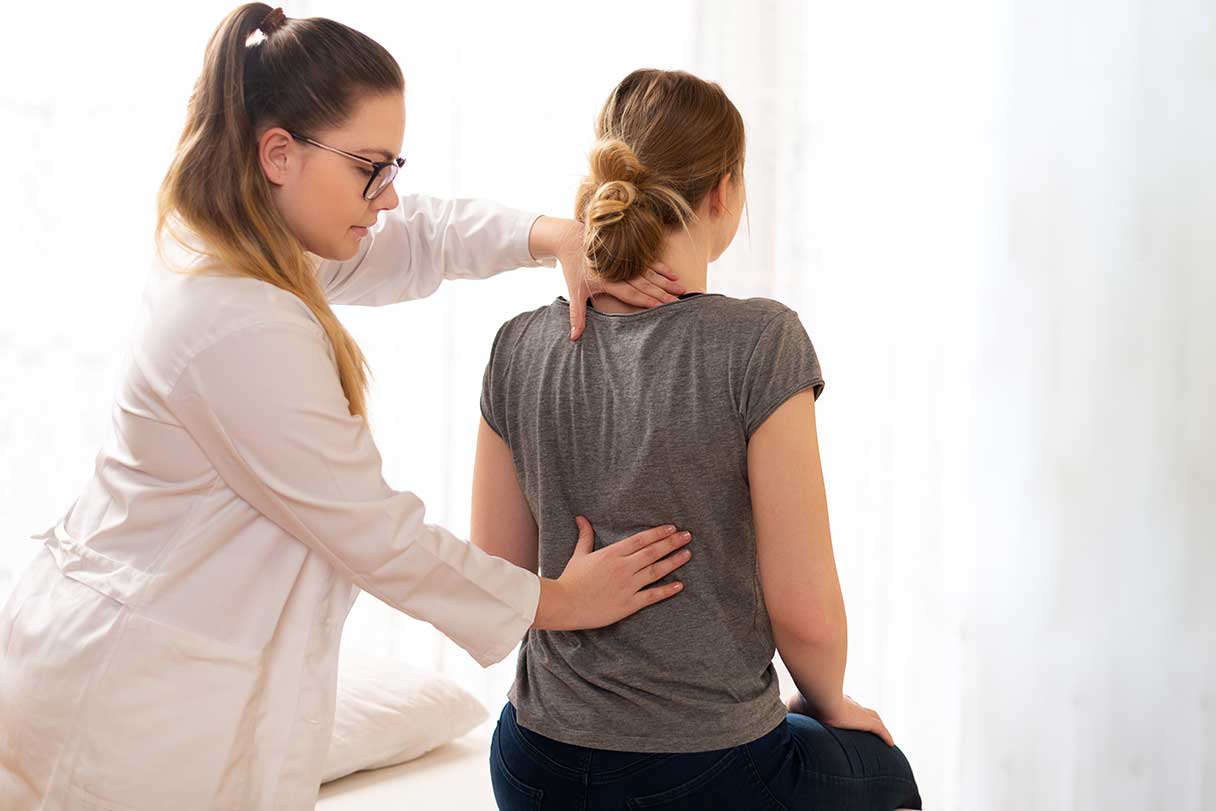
{"x":169,"y":722}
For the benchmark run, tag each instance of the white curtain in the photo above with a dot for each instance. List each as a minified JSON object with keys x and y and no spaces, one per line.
{"x":997,"y":223}
{"x":996,"y":220}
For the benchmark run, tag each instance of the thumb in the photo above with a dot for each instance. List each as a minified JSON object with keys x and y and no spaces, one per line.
{"x":586,"y":537}
{"x":578,"y":313}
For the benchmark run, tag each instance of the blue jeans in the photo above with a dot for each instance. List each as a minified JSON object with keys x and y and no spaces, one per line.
{"x":801,"y":764}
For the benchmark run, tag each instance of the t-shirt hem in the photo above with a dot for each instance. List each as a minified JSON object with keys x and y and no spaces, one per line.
{"x":767,"y":411}
{"x":659,"y":742}
{"x":485,"y":415}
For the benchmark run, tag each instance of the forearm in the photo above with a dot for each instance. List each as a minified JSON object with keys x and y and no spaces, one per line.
{"x":817,"y":664}
{"x":553,"y":236}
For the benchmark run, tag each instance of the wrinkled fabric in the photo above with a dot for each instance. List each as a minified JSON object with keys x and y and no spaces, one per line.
{"x":174,"y":645}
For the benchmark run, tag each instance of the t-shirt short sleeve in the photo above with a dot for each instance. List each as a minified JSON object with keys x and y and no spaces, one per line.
{"x":782,"y":364}
{"x":491,"y":406}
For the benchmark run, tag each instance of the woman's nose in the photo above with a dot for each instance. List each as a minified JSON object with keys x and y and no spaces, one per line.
{"x":387,"y":198}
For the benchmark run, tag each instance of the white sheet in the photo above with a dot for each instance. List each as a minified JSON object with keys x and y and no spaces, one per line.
{"x":454,"y":777}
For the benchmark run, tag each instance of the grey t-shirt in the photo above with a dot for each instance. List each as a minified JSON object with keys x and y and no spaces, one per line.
{"x":642,"y":422}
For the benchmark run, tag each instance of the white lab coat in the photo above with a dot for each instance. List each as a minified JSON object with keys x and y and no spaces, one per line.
{"x":174,"y":645}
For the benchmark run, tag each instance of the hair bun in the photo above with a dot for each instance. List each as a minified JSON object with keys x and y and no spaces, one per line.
{"x":616,"y":175}
{"x":613,"y":159}
{"x":609,"y":202}
{"x":273,"y":20}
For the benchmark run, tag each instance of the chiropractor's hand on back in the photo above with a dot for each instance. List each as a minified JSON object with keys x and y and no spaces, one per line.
{"x":657,"y":285}
{"x":601,"y":586}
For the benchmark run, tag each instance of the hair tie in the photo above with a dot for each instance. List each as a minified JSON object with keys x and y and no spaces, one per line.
{"x":272,"y":21}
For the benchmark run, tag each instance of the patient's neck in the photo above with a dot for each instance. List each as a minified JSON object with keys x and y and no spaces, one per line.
{"x":686,"y":253}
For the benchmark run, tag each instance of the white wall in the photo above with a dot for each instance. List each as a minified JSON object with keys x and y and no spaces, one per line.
{"x":997,"y":222}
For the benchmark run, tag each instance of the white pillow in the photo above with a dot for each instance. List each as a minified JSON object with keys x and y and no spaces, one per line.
{"x":388,"y":712}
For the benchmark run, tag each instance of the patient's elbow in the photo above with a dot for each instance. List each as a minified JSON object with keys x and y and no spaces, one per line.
{"x":819,"y":632}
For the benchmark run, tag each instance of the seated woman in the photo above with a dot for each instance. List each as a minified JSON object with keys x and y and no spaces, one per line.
{"x":700,"y":411}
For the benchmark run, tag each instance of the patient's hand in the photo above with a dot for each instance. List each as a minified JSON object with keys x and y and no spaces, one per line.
{"x":847,"y":715}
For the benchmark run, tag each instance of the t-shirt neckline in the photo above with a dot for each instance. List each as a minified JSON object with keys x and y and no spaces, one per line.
{"x":680,"y":300}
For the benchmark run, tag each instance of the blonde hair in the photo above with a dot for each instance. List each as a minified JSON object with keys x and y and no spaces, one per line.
{"x":305,"y":74}
{"x":664,"y":139}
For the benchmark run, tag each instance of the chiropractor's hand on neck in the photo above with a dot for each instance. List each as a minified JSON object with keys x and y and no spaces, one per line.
{"x":600,"y":587}
{"x":563,"y":239}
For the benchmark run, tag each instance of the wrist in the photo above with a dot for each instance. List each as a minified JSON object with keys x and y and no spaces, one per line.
{"x":553,"y":236}
{"x":553,"y":609}
{"x":824,"y":710}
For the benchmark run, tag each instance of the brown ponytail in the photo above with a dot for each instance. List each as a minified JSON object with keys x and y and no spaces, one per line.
{"x":306,"y":74}
{"x":664,"y":140}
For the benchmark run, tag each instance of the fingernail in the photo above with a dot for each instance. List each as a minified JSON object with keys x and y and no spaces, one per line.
{"x":686,"y":554}
{"x":669,"y":529}
{"x":677,"y":587}
{"x":686,"y":536}
{"x":572,"y":333}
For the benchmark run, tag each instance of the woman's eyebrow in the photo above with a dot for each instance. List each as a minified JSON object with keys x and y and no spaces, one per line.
{"x":388,"y":156}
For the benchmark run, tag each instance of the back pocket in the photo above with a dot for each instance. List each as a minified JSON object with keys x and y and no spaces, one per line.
{"x":726,"y":785}
{"x":511,"y":793}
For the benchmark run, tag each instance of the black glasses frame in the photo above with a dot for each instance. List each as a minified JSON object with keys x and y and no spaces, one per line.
{"x":377,"y":166}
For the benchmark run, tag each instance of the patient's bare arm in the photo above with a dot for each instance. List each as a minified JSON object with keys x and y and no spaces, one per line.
{"x":797,"y":566}
{"x":794,"y":547}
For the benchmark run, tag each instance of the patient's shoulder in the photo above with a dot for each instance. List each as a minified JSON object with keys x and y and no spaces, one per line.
{"x":761,"y":309}
{"x":531,"y":323}
{"x":746,"y":317}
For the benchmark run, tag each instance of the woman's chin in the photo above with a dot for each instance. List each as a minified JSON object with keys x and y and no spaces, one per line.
{"x":344,"y":250}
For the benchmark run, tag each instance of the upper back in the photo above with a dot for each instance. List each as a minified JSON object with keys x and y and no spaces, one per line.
{"x":655,"y":407}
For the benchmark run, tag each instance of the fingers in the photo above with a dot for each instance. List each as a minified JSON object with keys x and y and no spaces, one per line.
{"x":645,"y":286}
{"x":643,"y":539}
{"x":586,"y":536}
{"x":657,"y":594}
{"x":880,"y":729}
{"x":861,"y":718}
{"x":629,"y":293}
{"x":662,"y":276}
{"x":662,"y":568}
{"x":666,"y":272}
{"x":873,"y":723}
{"x":660,"y":549}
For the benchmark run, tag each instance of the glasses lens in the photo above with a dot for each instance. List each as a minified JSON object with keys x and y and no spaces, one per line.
{"x":381,"y":180}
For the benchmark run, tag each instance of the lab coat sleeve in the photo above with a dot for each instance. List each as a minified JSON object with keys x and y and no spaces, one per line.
{"x":425,"y":240}
{"x":266,"y":406}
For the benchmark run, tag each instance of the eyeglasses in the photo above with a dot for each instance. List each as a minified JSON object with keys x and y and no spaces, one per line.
{"x":383,"y":172}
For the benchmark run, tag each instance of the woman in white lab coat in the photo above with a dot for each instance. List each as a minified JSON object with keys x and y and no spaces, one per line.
{"x":174,"y":644}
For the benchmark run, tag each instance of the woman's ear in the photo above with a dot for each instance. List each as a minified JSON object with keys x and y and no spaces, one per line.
{"x":273,"y":147}
{"x":719,"y":196}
